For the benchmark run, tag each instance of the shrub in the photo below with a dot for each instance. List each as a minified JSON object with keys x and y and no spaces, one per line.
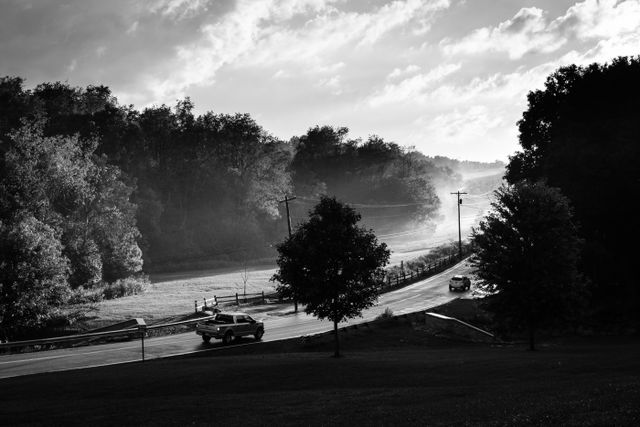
{"x":87,"y":296}
{"x":386,"y":315}
{"x":125,"y":287}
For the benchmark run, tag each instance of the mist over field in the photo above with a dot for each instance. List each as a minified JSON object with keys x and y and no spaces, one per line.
{"x":419,"y":239}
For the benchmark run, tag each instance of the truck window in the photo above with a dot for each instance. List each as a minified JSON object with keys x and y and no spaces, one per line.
{"x":224,"y":318}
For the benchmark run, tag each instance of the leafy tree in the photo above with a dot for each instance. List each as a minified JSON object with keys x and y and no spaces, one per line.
{"x":33,"y":273}
{"x":15,"y":104}
{"x":526,"y":256}
{"x":61,"y":183}
{"x":331,"y":264}
{"x":372,"y":172}
{"x":580,"y":134}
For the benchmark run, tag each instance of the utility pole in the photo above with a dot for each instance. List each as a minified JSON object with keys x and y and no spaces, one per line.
{"x":458,"y":193}
{"x":286,"y":203}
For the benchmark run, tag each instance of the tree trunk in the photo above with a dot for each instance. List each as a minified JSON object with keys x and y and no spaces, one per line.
{"x":335,"y":333}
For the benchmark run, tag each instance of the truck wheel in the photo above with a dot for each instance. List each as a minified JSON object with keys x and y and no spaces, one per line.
{"x":206,"y":338}
{"x":228,"y":337}
{"x":259,"y":333}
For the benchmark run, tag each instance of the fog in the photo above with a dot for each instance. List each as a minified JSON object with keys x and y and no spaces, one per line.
{"x":418,"y":239}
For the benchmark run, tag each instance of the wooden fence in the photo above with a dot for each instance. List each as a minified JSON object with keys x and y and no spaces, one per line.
{"x":390,"y":283}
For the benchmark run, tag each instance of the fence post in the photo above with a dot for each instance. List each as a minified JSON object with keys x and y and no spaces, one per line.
{"x":263,"y":296}
{"x":195,"y":305}
{"x":404,"y":276}
{"x":142,"y":328}
{"x":205,"y":304}
{"x":215,"y":299}
{"x":237,"y":301}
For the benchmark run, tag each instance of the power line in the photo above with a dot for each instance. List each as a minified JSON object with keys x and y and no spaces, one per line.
{"x":480,"y":195}
{"x":405,"y":233}
{"x":369,"y":206}
{"x":389,"y":216}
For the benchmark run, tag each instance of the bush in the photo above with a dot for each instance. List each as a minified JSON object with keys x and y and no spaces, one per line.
{"x":386,"y":315}
{"x":87,"y":296}
{"x":125,"y":287}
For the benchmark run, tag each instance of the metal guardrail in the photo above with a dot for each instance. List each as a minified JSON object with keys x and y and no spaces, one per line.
{"x":458,"y":321}
{"x":139,"y":330}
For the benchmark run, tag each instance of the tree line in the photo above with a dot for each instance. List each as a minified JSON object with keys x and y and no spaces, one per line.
{"x":91,"y":190}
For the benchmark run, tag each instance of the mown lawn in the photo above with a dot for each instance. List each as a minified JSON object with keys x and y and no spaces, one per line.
{"x":391,"y":375}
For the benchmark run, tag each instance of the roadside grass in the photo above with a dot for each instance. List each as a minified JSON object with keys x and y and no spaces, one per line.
{"x":391,"y":374}
{"x":170,"y":295}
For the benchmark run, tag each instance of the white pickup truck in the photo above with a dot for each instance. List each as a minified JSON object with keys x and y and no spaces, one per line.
{"x":227,"y":326}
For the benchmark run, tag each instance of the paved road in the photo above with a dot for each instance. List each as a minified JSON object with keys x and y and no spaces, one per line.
{"x":421,"y":295}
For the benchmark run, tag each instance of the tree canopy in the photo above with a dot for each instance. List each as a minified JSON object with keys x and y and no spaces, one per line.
{"x":580,"y":133}
{"x":207,"y":186}
{"x":332,"y":265}
{"x":68,"y":222}
{"x":527,"y":251}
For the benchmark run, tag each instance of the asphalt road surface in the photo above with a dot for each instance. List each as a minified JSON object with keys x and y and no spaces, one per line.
{"x":418,"y":296}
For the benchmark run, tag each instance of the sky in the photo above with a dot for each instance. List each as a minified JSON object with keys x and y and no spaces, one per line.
{"x":448,"y":77}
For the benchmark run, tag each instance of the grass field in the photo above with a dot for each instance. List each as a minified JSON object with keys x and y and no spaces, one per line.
{"x":394,"y":374}
{"x":172,"y":294}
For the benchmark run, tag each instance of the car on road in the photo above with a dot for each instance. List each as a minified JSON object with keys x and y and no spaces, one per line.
{"x":459,"y":283}
{"x":229,"y":326}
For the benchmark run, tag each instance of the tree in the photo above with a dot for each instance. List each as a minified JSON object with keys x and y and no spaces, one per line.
{"x":332,"y":265}
{"x":33,"y":273}
{"x":526,"y":256}
{"x":61,"y":183}
{"x":580,"y":134}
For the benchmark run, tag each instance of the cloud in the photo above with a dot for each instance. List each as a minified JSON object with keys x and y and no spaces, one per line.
{"x":598,"y":19}
{"x":179,"y":9}
{"x":223,"y":42}
{"x":332,"y":84}
{"x":460,"y":125}
{"x":397,"y":72}
{"x":411,"y":88}
{"x":532,"y":31}
{"x":528,"y":31}
{"x":398,"y":13}
{"x":132,"y":29}
{"x":331,"y":30}
{"x":257,"y":33}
